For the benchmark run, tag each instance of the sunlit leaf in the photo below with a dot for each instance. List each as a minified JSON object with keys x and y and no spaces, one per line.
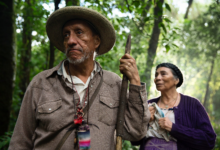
{"x":167,"y":20}
{"x":175,"y":45}
{"x":167,"y":48}
{"x":164,"y":28}
{"x":167,"y":7}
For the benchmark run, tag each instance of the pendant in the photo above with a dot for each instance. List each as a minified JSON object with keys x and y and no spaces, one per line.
{"x":166,"y":106}
{"x":84,"y":137}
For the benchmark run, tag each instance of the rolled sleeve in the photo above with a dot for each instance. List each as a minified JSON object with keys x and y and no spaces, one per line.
{"x":137,"y":114}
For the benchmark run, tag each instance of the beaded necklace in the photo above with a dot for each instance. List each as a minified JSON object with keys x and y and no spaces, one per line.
{"x":166,"y":105}
{"x":78,"y":118}
{"x":167,"y":113}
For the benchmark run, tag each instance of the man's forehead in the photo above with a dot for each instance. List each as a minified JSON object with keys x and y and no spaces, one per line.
{"x":85,"y":23}
{"x":75,"y":22}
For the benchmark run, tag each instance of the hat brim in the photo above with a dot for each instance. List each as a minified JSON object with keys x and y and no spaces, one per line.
{"x":58,"y":18}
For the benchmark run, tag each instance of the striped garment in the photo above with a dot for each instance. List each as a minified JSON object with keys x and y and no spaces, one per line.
{"x":84,"y":137}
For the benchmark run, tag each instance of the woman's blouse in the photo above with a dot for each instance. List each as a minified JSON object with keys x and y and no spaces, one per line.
{"x":170,"y":115}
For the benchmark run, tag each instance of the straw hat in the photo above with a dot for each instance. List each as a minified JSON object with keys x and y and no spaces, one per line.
{"x":58,"y":18}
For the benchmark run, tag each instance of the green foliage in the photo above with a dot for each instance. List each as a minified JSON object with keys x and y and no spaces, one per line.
{"x":191,"y":45}
{"x":3,"y":4}
{"x":168,"y":7}
{"x":126,"y":145}
{"x":5,"y":140}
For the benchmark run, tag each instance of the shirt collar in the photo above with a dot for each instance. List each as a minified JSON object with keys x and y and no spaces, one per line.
{"x":62,"y":71}
{"x":54,"y":69}
{"x":51,"y":71}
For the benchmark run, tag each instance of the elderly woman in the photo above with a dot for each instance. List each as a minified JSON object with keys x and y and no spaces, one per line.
{"x":185,"y":120}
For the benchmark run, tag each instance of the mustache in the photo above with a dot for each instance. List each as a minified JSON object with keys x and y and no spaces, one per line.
{"x":70,"y":48}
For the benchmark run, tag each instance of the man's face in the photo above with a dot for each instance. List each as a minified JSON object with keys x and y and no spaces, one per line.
{"x":79,"y":41}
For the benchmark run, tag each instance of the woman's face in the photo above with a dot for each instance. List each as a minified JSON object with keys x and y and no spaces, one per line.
{"x":164,"y":79}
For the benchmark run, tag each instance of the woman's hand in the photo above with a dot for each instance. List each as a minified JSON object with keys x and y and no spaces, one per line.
{"x":165,"y":123}
{"x":152,"y":111}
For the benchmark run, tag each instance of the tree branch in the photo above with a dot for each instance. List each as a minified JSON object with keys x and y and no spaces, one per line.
{"x":187,"y":10}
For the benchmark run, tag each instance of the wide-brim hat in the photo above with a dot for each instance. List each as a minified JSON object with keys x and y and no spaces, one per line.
{"x":57,"y":20}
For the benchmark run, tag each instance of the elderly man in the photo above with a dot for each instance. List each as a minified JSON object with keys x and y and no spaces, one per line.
{"x":78,"y":95}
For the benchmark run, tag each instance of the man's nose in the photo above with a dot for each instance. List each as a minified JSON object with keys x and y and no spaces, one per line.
{"x":72,"y":40}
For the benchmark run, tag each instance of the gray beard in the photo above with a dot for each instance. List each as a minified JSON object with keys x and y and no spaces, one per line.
{"x":85,"y":56}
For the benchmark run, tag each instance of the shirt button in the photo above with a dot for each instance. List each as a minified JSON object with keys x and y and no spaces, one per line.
{"x":91,"y":86}
{"x":49,"y":108}
{"x":111,"y":104}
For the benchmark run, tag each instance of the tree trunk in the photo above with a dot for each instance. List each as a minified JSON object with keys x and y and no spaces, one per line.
{"x":7,"y":61}
{"x":207,"y":84}
{"x":52,"y":48}
{"x":25,"y":56}
{"x":158,"y":12}
{"x":187,"y":10}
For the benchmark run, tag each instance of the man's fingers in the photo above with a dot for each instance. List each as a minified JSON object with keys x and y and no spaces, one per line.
{"x":126,"y":61}
{"x":128,"y":67}
{"x":127,"y":56}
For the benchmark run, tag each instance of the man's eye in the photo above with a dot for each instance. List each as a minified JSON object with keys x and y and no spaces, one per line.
{"x":66,"y":35}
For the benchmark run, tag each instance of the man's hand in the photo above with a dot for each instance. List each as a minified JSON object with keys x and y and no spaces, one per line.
{"x":129,"y":68}
{"x":165,"y":123}
{"x":152,"y":111}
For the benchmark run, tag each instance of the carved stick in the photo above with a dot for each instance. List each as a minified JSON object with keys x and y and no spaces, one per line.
{"x":123,"y":102}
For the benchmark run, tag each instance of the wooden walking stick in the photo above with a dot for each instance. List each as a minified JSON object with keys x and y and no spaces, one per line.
{"x":123,"y":101}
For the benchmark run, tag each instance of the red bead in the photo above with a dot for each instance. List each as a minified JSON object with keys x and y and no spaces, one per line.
{"x":78,"y":121}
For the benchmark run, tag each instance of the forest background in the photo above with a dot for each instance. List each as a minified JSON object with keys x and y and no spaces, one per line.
{"x":183,"y":32}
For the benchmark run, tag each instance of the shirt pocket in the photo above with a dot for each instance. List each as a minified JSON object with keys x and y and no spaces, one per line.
{"x":50,"y":115}
{"x":108,"y":110}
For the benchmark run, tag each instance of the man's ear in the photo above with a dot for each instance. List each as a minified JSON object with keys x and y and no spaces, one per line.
{"x":97,"y":41}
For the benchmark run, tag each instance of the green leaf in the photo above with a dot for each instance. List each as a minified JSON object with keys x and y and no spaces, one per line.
{"x":175,"y":45}
{"x":177,"y":28}
{"x":167,"y":7}
{"x":167,"y":20}
{"x":146,"y":19}
{"x":136,"y":3}
{"x":164,"y":28}
{"x":3,"y":4}
{"x":167,"y":48}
